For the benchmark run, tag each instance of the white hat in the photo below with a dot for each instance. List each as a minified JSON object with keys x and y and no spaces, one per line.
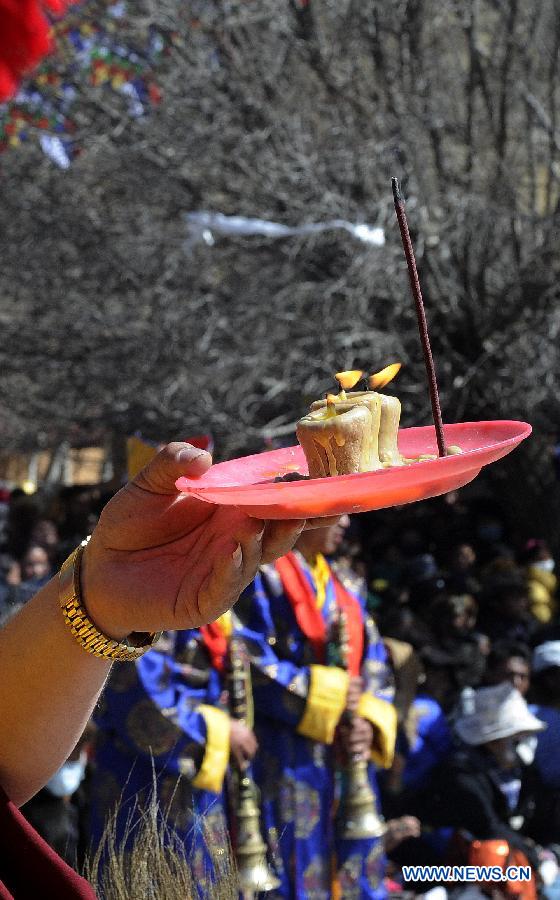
{"x":546,"y":655}
{"x":496,"y":712}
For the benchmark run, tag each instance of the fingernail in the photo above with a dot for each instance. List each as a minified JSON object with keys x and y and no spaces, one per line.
{"x":237,"y":556}
{"x":187,"y":455}
{"x":197,"y":461}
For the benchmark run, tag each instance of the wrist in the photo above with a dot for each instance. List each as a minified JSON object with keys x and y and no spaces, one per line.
{"x":100,"y":619}
{"x":88,"y":633}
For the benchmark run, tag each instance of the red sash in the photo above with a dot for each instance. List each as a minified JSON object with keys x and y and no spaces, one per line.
{"x":303,"y":602}
{"x":216,"y":643}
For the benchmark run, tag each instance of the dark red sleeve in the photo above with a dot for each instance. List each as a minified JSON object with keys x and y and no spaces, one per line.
{"x":29,"y":868}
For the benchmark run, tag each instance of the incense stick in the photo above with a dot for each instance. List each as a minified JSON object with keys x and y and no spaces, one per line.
{"x":422,"y":323}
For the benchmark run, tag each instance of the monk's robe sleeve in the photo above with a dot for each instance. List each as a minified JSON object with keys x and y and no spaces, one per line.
{"x":311,"y":698}
{"x":148,"y":707}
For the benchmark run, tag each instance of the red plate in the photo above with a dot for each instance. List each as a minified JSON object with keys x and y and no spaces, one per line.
{"x":248,"y":481}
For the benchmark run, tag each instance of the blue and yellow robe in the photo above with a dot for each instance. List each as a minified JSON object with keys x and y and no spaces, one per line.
{"x":160,"y":722}
{"x":298,"y":702}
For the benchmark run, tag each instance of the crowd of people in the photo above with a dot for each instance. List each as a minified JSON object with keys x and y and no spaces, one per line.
{"x":423,"y":642}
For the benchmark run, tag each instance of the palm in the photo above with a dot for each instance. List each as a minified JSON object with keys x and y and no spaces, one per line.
{"x":169,"y":557}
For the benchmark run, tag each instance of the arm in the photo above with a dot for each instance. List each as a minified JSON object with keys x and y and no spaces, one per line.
{"x":175,"y":727}
{"x":157,"y":560}
{"x":48,"y":689}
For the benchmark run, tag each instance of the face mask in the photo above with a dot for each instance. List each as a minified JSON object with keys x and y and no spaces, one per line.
{"x":526,"y":749}
{"x":68,"y":778}
{"x":545,"y":565}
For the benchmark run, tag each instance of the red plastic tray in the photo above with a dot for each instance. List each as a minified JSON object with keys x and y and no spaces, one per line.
{"x":248,"y":481}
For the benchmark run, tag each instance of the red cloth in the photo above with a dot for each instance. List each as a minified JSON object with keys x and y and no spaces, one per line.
{"x":216,"y":643}
{"x":304,"y":604}
{"x":29,"y":868}
{"x":24,"y":39}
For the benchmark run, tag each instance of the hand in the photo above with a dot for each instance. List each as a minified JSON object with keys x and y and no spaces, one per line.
{"x":243,"y":743}
{"x":355,"y":739}
{"x":355,"y":689}
{"x":398,"y":830}
{"x":159,"y":559}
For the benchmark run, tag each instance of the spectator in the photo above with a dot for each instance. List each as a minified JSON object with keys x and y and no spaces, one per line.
{"x":22,"y":513}
{"x":425,"y":581}
{"x":505,"y":611}
{"x":412,"y":541}
{"x":385,"y":569}
{"x":425,"y":739}
{"x":461,"y":577}
{"x":509,"y":661}
{"x":452,"y":620}
{"x":36,"y":571}
{"x":489,"y":532}
{"x":546,"y":694}
{"x":499,"y":562}
{"x":538,"y":566}
{"x":482,"y":788}
{"x":401,"y":623}
{"x":44,"y":533}
{"x":10,"y":575}
{"x":57,"y":812}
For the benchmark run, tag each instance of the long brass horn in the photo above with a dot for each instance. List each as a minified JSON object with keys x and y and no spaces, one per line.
{"x":254,"y":873}
{"x":358,"y":815}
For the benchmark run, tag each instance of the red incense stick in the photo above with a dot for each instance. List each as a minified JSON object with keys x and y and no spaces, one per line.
{"x":422,"y":323}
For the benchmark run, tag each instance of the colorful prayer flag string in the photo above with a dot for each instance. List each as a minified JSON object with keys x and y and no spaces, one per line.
{"x":91,"y":47}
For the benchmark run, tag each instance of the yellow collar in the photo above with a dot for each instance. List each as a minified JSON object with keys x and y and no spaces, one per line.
{"x":321,"y":573}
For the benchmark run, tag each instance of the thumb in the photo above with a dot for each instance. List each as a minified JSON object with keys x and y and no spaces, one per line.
{"x":176,"y":459}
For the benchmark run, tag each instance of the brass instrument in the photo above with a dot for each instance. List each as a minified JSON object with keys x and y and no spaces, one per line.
{"x":253,"y":870}
{"x":358,"y":816}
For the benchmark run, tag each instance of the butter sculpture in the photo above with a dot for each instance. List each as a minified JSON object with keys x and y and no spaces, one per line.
{"x":352,"y":432}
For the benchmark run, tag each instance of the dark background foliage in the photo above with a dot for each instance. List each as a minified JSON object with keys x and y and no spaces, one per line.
{"x":297,"y":112}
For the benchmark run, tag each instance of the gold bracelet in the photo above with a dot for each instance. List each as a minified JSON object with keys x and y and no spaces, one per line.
{"x":87,"y":635}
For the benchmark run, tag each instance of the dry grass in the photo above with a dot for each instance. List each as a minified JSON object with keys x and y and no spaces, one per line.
{"x":150,"y":863}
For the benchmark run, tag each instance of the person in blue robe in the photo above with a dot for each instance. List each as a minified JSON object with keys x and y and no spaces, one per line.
{"x":163,"y":729}
{"x":430,"y":743}
{"x":286,"y":618}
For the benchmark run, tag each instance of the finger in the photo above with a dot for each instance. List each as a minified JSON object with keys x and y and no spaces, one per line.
{"x":280,"y":537}
{"x":248,"y":747}
{"x":240,"y":760}
{"x":251,"y":543}
{"x":321,"y":522}
{"x":176,"y":459}
{"x":357,"y":750}
{"x":232,"y":571}
{"x":220,"y":589}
